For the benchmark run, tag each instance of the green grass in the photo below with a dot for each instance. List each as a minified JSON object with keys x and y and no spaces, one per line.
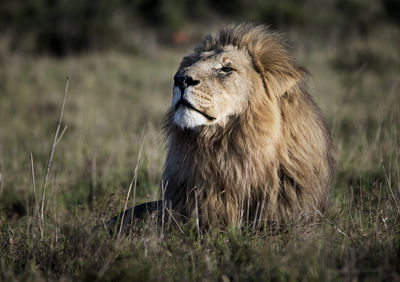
{"x":115,"y":99}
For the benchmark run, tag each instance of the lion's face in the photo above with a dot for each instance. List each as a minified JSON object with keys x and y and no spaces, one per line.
{"x":216,"y":85}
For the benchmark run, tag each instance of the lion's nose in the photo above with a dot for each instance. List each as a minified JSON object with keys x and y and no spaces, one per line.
{"x":184,"y":81}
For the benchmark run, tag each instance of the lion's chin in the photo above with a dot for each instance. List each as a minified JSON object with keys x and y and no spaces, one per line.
{"x":188,"y":118}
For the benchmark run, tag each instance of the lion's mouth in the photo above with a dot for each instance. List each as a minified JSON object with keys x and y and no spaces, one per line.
{"x":185,"y":103}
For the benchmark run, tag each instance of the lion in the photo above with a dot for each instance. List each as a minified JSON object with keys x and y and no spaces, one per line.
{"x":246,"y":144}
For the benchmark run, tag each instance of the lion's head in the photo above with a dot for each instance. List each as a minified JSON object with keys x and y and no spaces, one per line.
{"x":245,"y":139}
{"x":215,"y":85}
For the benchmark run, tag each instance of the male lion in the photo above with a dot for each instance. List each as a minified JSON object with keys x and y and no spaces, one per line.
{"x":246,"y":142}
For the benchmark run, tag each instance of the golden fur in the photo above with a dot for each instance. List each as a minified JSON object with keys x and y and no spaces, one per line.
{"x":270,"y":160}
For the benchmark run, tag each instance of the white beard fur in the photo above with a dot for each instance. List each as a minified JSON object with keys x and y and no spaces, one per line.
{"x":184,"y":117}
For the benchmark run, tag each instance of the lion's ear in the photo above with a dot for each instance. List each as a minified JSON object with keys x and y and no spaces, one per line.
{"x":280,"y":75}
{"x":282,"y":82}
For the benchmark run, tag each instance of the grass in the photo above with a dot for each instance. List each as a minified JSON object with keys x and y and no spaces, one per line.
{"x":116,"y":99}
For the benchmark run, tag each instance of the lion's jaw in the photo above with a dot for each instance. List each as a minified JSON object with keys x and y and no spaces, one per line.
{"x":186,"y":117}
{"x":222,"y":88}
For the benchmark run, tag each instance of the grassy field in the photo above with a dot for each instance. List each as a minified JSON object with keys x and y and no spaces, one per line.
{"x":116,"y":100}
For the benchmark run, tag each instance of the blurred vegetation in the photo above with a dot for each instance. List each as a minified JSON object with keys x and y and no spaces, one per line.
{"x":59,"y":27}
{"x":63,"y":27}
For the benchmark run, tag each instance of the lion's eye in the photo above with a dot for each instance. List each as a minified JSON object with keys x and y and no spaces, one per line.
{"x":226,"y":69}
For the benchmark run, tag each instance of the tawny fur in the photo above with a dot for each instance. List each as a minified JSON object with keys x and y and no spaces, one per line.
{"x":270,"y":164}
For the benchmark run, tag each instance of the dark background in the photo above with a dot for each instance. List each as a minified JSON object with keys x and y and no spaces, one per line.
{"x":61,"y":27}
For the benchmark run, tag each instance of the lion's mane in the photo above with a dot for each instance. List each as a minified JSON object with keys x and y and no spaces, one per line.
{"x":270,"y":165}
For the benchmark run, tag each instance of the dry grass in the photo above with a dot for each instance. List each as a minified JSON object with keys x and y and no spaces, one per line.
{"x":113,"y":99}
